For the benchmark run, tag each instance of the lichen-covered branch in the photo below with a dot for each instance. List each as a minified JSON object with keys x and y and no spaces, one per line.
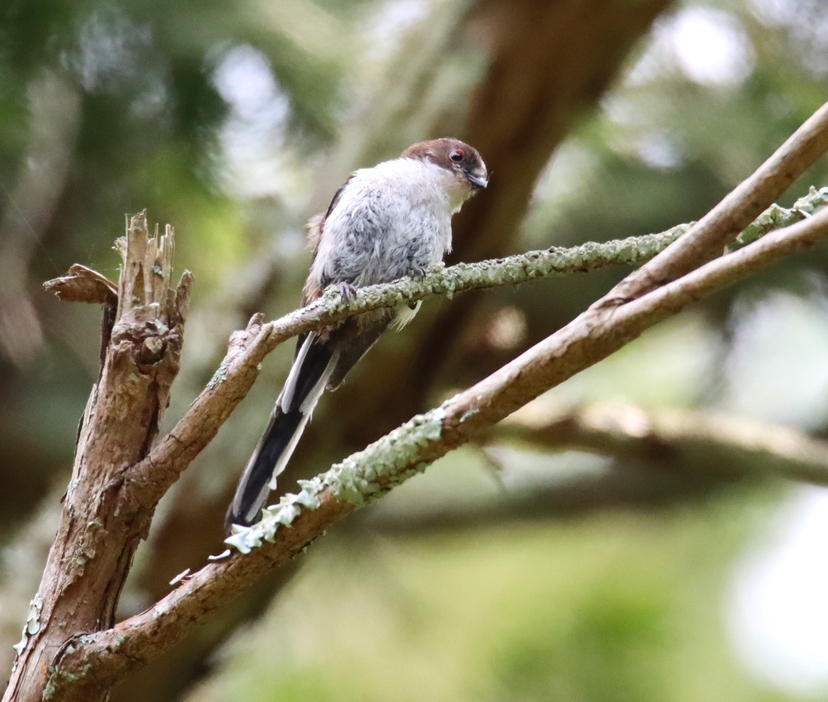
{"x":719,"y":227}
{"x":239,"y":369}
{"x":298,"y":519}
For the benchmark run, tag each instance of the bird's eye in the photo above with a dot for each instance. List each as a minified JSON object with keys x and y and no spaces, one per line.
{"x":457,"y":155}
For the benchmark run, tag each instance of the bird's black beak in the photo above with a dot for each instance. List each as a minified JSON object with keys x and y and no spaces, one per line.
{"x":478,"y":182}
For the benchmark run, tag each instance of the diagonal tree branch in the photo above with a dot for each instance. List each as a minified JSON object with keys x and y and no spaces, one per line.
{"x":604,"y":328}
{"x":721,"y":225}
{"x":370,"y":473}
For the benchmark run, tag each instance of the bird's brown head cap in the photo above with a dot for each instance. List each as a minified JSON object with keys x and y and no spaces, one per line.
{"x":453,"y":155}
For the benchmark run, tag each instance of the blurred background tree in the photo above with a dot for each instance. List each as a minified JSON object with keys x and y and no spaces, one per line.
{"x":598,"y":120}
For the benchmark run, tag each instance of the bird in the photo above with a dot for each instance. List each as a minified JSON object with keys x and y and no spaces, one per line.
{"x":384,"y":223}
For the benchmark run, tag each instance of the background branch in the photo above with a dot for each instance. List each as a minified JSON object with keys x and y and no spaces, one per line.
{"x":688,"y":442}
{"x":656,"y":457}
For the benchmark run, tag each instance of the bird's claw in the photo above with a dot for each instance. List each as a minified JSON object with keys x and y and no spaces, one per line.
{"x":347,"y":291}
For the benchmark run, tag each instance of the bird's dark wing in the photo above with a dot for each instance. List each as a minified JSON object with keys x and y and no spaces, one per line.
{"x":354,"y":339}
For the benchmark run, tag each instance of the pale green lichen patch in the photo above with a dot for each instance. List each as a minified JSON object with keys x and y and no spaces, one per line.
{"x":387,"y":462}
{"x":245,"y":539}
{"x":60,"y":677}
{"x":73,"y":483}
{"x":358,"y":479}
{"x":776,"y":217}
{"x":220,"y":375}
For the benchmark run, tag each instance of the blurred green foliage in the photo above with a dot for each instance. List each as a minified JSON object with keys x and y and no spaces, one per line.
{"x":151,"y":112}
{"x":668,"y":145}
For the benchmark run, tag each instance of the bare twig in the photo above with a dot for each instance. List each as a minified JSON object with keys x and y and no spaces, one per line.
{"x":82,"y":284}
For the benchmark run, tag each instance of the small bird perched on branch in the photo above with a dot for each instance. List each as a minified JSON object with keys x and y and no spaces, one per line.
{"x":384,"y":223}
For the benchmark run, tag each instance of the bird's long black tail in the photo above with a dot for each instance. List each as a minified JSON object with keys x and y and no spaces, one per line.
{"x":315,"y":361}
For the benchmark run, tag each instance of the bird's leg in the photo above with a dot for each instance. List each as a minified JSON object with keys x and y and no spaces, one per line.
{"x":417,"y":274}
{"x":346,"y":291}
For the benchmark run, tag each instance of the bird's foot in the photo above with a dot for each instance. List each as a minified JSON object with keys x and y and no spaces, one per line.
{"x":347,"y":291}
